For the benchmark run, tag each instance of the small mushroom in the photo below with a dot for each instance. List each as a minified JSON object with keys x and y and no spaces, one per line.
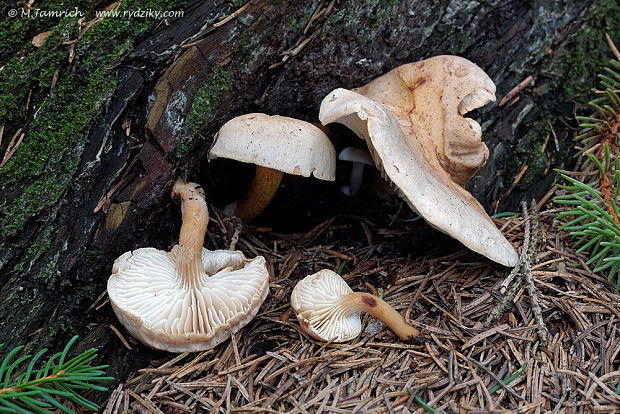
{"x":277,"y":145}
{"x":412,"y":121}
{"x":191,"y":298}
{"x":359,"y":157}
{"x":328,"y":310}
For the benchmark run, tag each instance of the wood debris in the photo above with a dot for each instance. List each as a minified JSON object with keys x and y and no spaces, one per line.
{"x":514,"y":91}
{"x":464,"y":365}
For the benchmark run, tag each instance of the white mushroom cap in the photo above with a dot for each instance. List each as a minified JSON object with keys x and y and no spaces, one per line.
{"x":411,"y":119}
{"x":154,"y":305}
{"x":277,"y":142}
{"x":317,"y":302}
{"x":356,"y":154}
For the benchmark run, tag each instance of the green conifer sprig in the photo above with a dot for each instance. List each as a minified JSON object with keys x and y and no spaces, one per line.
{"x":593,"y":199}
{"x":603,"y":125}
{"x":25,"y":389}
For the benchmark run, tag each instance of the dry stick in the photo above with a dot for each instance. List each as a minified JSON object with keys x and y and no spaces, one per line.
{"x":203,"y":401}
{"x":612,"y":46}
{"x":534,"y":232}
{"x":513,"y":273}
{"x":529,"y":278}
{"x":145,"y":402}
{"x":523,"y":270}
{"x":532,"y":291}
{"x":10,"y":150}
{"x":387,"y":403}
{"x":500,"y":308}
{"x":501,"y":383}
{"x":514,"y":91}
{"x":234,"y":239}
{"x":516,"y":273}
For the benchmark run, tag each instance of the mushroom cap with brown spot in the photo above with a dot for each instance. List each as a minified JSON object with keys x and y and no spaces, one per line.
{"x":429,"y":99}
{"x":411,"y":120}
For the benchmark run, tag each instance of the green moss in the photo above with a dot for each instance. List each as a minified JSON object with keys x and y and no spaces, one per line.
{"x":16,"y":33}
{"x":36,"y":249}
{"x":206,"y":101}
{"x":114,"y":37}
{"x":48,"y":157}
{"x":364,"y":20}
{"x":530,"y":149}
{"x":101,"y":47}
{"x":93,"y":256}
{"x":380,"y":16}
{"x":459,"y":42}
{"x":586,"y":52}
{"x":298,"y":23}
{"x":33,"y":73}
{"x":572,"y":73}
{"x":34,"y":180}
{"x":38,"y":173}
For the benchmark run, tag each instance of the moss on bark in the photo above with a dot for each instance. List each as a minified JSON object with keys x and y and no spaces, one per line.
{"x":53,"y":95}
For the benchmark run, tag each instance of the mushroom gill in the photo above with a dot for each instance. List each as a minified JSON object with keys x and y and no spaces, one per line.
{"x":191,"y":298}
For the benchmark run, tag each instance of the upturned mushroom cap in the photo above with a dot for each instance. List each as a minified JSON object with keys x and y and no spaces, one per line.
{"x":191,"y":298}
{"x":316,"y":300}
{"x":411,"y":119}
{"x":429,"y":99}
{"x":281,"y":143}
{"x":156,"y":309}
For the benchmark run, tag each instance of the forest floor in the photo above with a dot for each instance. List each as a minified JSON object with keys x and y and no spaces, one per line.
{"x":553,"y":348}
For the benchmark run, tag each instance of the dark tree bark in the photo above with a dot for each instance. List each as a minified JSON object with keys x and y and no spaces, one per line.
{"x":182,"y":81}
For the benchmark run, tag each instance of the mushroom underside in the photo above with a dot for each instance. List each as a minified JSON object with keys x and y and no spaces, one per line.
{"x":153,"y":305}
{"x":316,"y":301}
{"x":422,"y":183}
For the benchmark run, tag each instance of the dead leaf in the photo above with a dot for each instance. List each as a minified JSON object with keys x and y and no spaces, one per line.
{"x":39,"y":39}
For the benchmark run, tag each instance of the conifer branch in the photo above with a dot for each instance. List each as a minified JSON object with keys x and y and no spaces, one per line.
{"x":42,"y":390}
{"x":592,"y":217}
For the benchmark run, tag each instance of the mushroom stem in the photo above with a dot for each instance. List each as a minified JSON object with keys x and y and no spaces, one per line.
{"x":187,"y":255}
{"x":357,"y":174}
{"x":365,"y":302}
{"x":262,"y":189}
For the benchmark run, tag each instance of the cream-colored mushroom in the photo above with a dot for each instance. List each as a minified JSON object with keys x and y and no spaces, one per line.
{"x":412,"y":121}
{"x":328,"y":310}
{"x":359,"y":157}
{"x":191,"y":298}
{"x":277,"y":145}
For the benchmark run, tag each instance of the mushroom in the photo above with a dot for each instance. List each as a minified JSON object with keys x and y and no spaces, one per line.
{"x":328,"y":310}
{"x":277,"y":145}
{"x":191,"y":298}
{"x":359,"y":157}
{"x":412,"y":121}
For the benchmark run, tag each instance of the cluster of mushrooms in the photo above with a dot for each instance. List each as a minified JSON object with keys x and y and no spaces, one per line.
{"x":411,"y":118}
